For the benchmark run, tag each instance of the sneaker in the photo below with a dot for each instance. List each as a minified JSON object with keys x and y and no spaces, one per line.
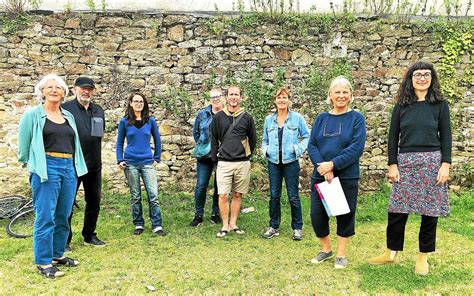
{"x":94,"y":241}
{"x":341,"y":263}
{"x":216,"y":219}
{"x":67,"y":249}
{"x":196,"y":221}
{"x":138,"y":230}
{"x":271,"y":232}
{"x":321,"y":257}
{"x":158,"y":231}
{"x":297,"y":234}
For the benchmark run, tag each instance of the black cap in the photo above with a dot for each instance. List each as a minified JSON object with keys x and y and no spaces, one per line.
{"x":84,"y":82}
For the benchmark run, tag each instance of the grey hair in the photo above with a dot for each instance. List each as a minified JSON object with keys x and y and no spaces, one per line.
{"x":339,"y":80}
{"x":41,"y":84}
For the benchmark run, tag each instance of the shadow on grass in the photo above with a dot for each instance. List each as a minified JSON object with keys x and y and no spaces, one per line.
{"x":402,"y":278}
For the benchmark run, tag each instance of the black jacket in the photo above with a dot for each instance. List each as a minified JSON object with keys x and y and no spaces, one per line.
{"x":240,"y":144}
{"x":86,"y":122}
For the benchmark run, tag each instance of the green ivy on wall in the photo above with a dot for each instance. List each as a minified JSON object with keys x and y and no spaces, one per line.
{"x":455,"y":46}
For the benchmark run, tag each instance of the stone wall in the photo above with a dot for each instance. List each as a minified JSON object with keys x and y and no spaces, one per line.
{"x":150,"y":52}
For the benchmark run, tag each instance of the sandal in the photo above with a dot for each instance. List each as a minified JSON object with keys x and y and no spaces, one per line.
{"x":222,"y":233}
{"x":66,"y":261}
{"x":51,"y":272}
{"x":238,"y":231}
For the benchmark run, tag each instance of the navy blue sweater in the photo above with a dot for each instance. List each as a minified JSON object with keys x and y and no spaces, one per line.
{"x":138,"y":150}
{"x":340,"y":139}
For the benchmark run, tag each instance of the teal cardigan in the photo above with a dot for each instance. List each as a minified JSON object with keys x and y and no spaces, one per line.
{"x":31,"y":145}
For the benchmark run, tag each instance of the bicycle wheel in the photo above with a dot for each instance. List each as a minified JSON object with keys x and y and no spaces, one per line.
{"x":10,"y":204}
{"x":21,"y":225}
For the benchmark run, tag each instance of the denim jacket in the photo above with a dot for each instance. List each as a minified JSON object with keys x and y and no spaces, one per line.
{"x":31,"y":145}
{"x":201,"y":126}
{"x":294,"y":128}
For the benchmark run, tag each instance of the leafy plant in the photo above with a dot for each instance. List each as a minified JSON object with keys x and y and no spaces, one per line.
{"x":103,"y":5}
{"x":91,"y":5}
{"x":177,"y":102}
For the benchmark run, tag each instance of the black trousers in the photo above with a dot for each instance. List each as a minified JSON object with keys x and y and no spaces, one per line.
{"x":319,"y":216}
{"x":92,"y":184}
{"x":396,"y":232}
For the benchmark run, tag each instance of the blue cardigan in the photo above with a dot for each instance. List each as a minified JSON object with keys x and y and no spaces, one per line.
{"x":31,"y":145}
{"x":138,"y":150}
{"x":340,"y":139}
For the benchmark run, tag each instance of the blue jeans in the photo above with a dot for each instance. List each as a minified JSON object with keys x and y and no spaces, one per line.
{"x":52,"y":201}
{"x":147,"y":173}
{"x":290,"y":172}
{"x":204,"y":170}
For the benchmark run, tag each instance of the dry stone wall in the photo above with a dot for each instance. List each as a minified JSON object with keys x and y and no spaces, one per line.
{"x":150,"y":52}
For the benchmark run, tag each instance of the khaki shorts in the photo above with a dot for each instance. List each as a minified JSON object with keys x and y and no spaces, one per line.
{"x":233,"y":176}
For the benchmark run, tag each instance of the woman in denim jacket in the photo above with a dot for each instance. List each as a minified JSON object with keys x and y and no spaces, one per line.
{"x":205,"y":166}
{"x":282,"y":147}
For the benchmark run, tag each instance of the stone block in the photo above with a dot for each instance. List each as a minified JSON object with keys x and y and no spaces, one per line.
{"x":190,"y":44}
{"x":282,"y":54}
{"x":72,"y":23}
{"x":75,"y":69}
{"x":301,"y":58}
{"x":176,"y":33}
{"x":112,"y":22}
{"x":139,"y":44}
{"x":170,"y":20}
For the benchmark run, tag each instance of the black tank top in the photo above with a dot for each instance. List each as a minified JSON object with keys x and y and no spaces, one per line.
{"x":58,"y":137}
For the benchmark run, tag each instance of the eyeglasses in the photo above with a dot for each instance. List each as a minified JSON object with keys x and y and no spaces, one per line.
{"x":426,"y":76}
{"x":137,"y":102}
{"x":216,"y":98}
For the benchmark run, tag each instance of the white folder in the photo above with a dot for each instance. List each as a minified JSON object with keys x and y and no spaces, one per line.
{"x":333,"y":197}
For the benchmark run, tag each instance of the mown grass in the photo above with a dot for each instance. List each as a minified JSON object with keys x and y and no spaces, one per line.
{"x":193,"y":261}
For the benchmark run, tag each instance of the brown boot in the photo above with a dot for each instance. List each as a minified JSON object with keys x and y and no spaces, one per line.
{"x":389,"y":257}
{"x":421,"y":266}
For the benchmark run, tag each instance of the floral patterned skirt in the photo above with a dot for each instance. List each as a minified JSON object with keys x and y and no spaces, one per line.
{"x":417,"y":192}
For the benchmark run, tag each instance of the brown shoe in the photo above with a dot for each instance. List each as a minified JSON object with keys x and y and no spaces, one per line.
{"x":421,"y":266}
{"x":387,"y":258}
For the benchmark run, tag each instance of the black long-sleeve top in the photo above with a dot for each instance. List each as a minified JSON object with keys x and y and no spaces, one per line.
{"x":420,"y":127}
{"x":90,"y":126}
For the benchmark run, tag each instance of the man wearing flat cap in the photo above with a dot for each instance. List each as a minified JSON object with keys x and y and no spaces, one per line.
{"x":90,"y":123}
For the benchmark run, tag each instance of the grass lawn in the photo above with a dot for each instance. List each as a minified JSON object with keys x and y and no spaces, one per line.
{"x":192,"y":261}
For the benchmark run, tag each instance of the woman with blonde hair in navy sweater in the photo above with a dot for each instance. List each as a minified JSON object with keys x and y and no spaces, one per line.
{"x":335,"y":146}
{"x":138,"y":127}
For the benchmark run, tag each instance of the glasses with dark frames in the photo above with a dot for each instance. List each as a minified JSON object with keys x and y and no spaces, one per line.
{"x":419,"y":76}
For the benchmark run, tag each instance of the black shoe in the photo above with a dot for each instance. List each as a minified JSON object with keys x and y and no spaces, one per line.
{"x":196,"y":221}
{"x":67,"y":249}
{"x":216,"y":219}
{"x":138,"y":231}
{"x":94,"y":241}
{"x":158,"y":231}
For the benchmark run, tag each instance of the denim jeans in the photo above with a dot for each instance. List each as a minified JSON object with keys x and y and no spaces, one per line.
{"x":147,"y":173}
{"x":52,"y":201}
{"x":204,"y":170}
{"x":290,"y":172}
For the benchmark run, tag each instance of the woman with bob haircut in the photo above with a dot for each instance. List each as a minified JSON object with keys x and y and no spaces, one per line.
{"x":419,"y":157}
{"x":335,"y":146}
{"x":137,"y":126}
{"x":284,"y":141}
{"x":48,"y":144}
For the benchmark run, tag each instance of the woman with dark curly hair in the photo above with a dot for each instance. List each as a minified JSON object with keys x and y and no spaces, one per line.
{"x":138,"y":127}
{"x":419,"y":157}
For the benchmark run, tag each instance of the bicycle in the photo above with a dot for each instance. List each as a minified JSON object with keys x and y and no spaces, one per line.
{"x":20,"y":211}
